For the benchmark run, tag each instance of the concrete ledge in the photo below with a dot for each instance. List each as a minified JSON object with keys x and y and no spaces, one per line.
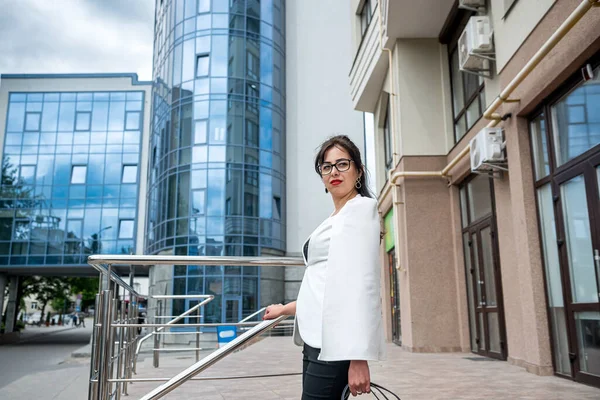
{"x":83,"y":352}
{"x":542,"y":370}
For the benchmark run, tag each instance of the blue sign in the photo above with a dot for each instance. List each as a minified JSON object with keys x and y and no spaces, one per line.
{"x":78,"y":308}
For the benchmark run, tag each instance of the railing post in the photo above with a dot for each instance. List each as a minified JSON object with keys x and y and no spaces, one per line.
{"x":156,"y":337}
{"x":198,"y":335}
{"x":96,"y":341}
{"x":120,"y":351}
{"x":105,"y":346}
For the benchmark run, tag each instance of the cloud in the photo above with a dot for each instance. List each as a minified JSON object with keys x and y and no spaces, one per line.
{"x":76,"y":36}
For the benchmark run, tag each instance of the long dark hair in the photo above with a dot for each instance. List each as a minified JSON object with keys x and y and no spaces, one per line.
{"x":344,"y":142}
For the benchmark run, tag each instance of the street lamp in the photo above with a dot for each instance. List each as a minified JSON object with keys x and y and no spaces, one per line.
{"x":100,"y":238}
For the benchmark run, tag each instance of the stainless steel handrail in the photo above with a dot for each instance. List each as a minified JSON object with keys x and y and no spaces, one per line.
{"x":211,"y":359}
{"x":115,"y":316}
{"x":196,"y":260}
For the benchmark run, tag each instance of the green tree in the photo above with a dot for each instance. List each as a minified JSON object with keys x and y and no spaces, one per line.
{"x":45,"y":289}
{"x":88,"y":287}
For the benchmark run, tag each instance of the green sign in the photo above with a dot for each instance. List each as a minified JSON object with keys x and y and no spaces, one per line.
{"x":388,"y":225}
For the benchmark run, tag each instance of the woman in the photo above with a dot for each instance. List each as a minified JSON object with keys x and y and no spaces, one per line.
{"x":338,"y":310}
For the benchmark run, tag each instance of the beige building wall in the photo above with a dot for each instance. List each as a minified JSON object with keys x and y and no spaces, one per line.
{"x":427,"y":210}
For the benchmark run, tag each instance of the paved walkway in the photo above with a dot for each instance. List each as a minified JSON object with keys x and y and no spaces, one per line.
{"x":412,"y":376}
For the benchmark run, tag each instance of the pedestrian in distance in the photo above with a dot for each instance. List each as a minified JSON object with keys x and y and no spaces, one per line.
{"x":82,"y":319}
{"x":338,"y":311}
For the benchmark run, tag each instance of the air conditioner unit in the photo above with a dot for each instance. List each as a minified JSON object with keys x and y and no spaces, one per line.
{"x":487,"y":150}
{"x":475,"y":45}
{"x":471,"y":3}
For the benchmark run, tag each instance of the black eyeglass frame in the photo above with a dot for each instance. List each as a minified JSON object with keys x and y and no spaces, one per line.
{"x":349,"y":160}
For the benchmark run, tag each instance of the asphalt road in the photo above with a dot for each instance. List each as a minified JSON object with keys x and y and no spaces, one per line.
{"x":40,"y":353}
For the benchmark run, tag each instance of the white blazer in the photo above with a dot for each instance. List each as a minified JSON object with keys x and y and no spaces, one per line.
{"x":352,"y":326}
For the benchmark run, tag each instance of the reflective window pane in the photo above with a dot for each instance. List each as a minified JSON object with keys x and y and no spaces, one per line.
{"x":132,"y":122}
{"x":576,"y":120}
{"x":202,"y":63}
{"x":32,"y":121}
{"x":126,"y":229}
{"x":198,"y":202}
{"x":200,"y":131}
{"x":129,"y":174}
{"x":78,"y":174}
{"x":480,"y":197}
{"x":579,"y":241}
{"x":82,"y":122}
{"x":539,"y":145}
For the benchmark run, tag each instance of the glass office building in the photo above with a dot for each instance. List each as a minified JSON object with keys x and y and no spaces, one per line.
{"x":70,"y":176}
{"x":217,"y":169}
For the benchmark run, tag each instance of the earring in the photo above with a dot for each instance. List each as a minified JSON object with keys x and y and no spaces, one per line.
{"x":358,"y":185}
{"x":326,"y":191}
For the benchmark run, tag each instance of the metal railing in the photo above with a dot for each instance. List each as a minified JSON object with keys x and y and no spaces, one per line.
{"x":116,"y":343}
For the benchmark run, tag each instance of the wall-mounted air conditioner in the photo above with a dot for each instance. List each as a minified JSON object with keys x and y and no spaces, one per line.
{"x":476,"y":46}
{"x":473,"y":5}
{"x":487,"y":150}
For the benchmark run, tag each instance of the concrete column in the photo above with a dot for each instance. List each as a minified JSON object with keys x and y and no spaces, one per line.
{"x":2,"y":287}
{"x":12,"y":306}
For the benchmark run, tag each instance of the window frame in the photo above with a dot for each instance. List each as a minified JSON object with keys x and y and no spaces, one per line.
{"x":387,"y":140}
{"x":365,"y":17}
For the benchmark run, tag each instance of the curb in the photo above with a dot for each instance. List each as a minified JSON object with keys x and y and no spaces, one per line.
{"x":24,"y":340}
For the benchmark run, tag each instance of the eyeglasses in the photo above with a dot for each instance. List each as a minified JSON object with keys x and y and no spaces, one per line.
{"x":341,"y":165}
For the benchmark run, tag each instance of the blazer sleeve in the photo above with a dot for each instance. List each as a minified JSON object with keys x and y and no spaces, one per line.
{"x":352,"y":313}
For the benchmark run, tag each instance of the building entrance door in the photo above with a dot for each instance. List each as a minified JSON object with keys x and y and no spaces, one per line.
{"x":579,"y":249}
{"x":485,"y":276}
{"x":482,"y":268}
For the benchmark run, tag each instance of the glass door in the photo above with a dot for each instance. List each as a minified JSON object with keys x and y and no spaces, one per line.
{"x":579,"y":247}
{"x":488,"y":329}
{"x":394,"y":298}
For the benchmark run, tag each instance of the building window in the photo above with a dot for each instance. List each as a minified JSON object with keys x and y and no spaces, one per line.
{"x":251,"y":134}
{"x":387,"y":140}
{"x":78,"y":174}
{"x":366,"y":15}
{"x":132,"y":121}
{"x":198,"y":202}
{"x":32,"y":121}
{"x":277,"y":207}
{"x":26,"y":175}
{"x":203,"y":6}
{"x":468,"y":97}
{"x":252,"y":97}
{"x":252,"y":65}
{"x":126,"y":229}
{"x":200,"y":131}
{"x":74,"y":229}
{"x":82,"y":121}
{"x":129,"y":174}
{"x":22,"y":230}
{"x":202,"y":62}
{"x":34,"y":305}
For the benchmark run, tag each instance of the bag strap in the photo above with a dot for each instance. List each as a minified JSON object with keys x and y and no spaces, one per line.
{"x":374,"y":387}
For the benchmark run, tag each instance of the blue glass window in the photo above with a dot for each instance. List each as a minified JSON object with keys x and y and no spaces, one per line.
{"x":198,"y":202}
{"x":132,"y":123}
{"x":78,"y":174}
{"x":32,"y":121}
{"x":129,"y":174}
{"x":200,"y":131}
{"x":126,"y":229}
{"x":202,"y":63}
{"x":82,"y":122}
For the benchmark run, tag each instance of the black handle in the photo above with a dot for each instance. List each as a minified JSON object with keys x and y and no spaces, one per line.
{"x":374,"y":387}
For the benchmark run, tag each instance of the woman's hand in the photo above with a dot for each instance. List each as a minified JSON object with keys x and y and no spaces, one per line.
{"x":273,"y":311}
{"x":359,"y":378}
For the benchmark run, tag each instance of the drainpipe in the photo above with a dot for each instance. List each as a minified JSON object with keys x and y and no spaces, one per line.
{"x":504,"y":96}
{"x":392,"y":112}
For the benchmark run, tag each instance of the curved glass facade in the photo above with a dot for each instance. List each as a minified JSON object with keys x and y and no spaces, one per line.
{"x":216,"y":183}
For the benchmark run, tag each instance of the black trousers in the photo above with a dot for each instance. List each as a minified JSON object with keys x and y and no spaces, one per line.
{"x":322,"y":379}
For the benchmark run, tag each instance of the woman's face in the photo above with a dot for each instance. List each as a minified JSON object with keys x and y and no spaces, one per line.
{"x":338,"y":183}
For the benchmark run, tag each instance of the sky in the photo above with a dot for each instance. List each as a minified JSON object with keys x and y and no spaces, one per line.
{"x":76,"y":36}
